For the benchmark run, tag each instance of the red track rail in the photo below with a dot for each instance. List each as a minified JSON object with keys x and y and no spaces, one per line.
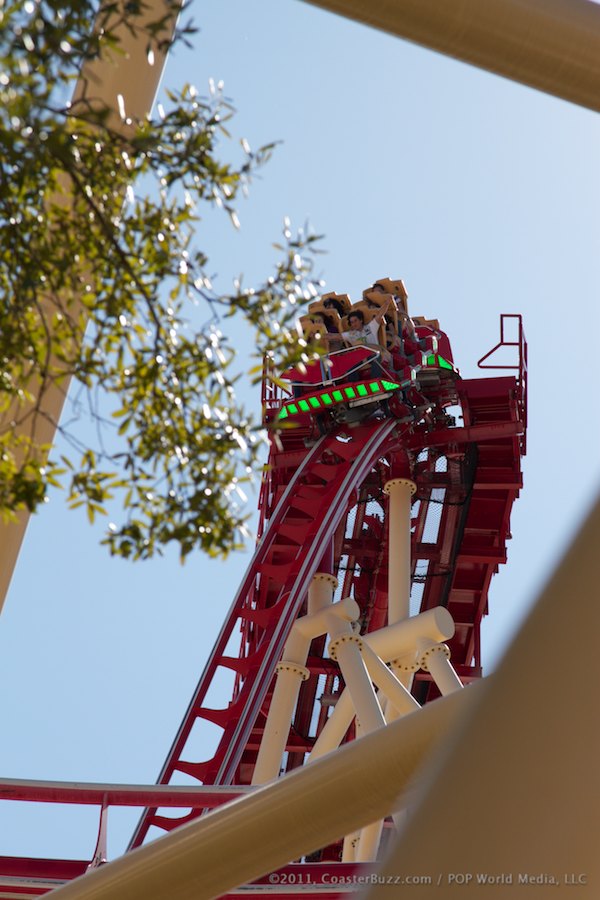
{"x":303,"y":523}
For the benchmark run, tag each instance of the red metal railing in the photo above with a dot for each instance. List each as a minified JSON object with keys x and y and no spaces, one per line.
{"x":520,"y":366}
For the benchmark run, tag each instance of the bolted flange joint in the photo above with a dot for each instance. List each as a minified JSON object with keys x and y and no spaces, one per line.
{"x":399,"y":482}
{"x":437,"y":648}
{"x":344,"y":639}
{"x":327,"y":578}
{"x":295,"y":668}
{"x":405,"y":664}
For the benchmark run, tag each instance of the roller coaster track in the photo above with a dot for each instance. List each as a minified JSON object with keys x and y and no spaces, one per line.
{"x":313,"y":494}
{"x":323,"y":509}
{"x":271,"y":594}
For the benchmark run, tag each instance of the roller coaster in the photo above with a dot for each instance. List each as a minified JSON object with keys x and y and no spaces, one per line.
{"x":384,"y":512}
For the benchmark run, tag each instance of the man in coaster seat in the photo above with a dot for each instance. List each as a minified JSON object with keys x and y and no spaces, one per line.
{"x":361,"y":332}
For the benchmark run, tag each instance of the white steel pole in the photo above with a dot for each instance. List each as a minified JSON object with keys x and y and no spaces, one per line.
{"x":367,"y":839}
{"x":395,"y":692}
{"x":272,"y":746}
{"x":368,"y":842}
{"x":399,"y":490}
{"x":395,"y":643}
{"x":349,"y":846}
{"x":435,"y":659}
{"x":346,"y":649}
{"x":335,"y":728}
{"x":320,"y":591}
{"x":334,"y":616}
{"x":291,"y":672}
{"x":352,"y":841}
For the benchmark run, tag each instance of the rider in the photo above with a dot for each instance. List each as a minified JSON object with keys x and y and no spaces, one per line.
{"x":361,"y":332}
{"x":366,"y":333}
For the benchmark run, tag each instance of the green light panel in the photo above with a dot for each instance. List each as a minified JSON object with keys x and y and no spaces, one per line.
{"x":444,"y":363}
{"x":337,"y":396}
{"x":431,"y":360}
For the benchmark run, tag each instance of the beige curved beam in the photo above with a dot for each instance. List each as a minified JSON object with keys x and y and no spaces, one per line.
{"x":305,"y":810}
{"x":522,"y":783}
{"x":551,"y":45}
{"x":129,"y":74}
{"x":519,"y":778}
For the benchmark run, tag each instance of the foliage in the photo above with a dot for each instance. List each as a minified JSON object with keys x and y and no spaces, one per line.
{"x":101,"y":283}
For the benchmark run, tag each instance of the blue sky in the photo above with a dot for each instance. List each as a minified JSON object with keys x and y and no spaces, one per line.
{"x":483,"y":196}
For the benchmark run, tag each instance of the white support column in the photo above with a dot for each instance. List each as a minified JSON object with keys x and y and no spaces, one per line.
{"x":435,"y":659}
{"x":367,"y":666}
{"x":395,"y":644}
{"x":397,"y":641}
{"x":320,"y":592}
{"x":335,"y":616}
{"x":352,"y":841}
{"x":395,"y":692}
{"x":399,"y":490}
{"x":292,"y":671}
{"x":350,"y":846}
{"x":335,"y":728}
{"x":290,"y":676}
{"x":367,"y":841}
{"x":346,"y":649}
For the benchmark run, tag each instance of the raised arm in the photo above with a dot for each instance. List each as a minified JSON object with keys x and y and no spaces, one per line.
{"x":379,"y":315}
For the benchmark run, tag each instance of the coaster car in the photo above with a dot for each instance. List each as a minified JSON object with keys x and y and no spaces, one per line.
{"x":349,"y":385}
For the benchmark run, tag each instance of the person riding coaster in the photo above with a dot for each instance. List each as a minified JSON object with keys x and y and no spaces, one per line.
{"x":342,"y":387}
{"x":388,"y":361}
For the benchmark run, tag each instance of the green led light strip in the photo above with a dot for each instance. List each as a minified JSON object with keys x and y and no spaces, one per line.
{"x":329,"y":398}
{"x":434,"y":360}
